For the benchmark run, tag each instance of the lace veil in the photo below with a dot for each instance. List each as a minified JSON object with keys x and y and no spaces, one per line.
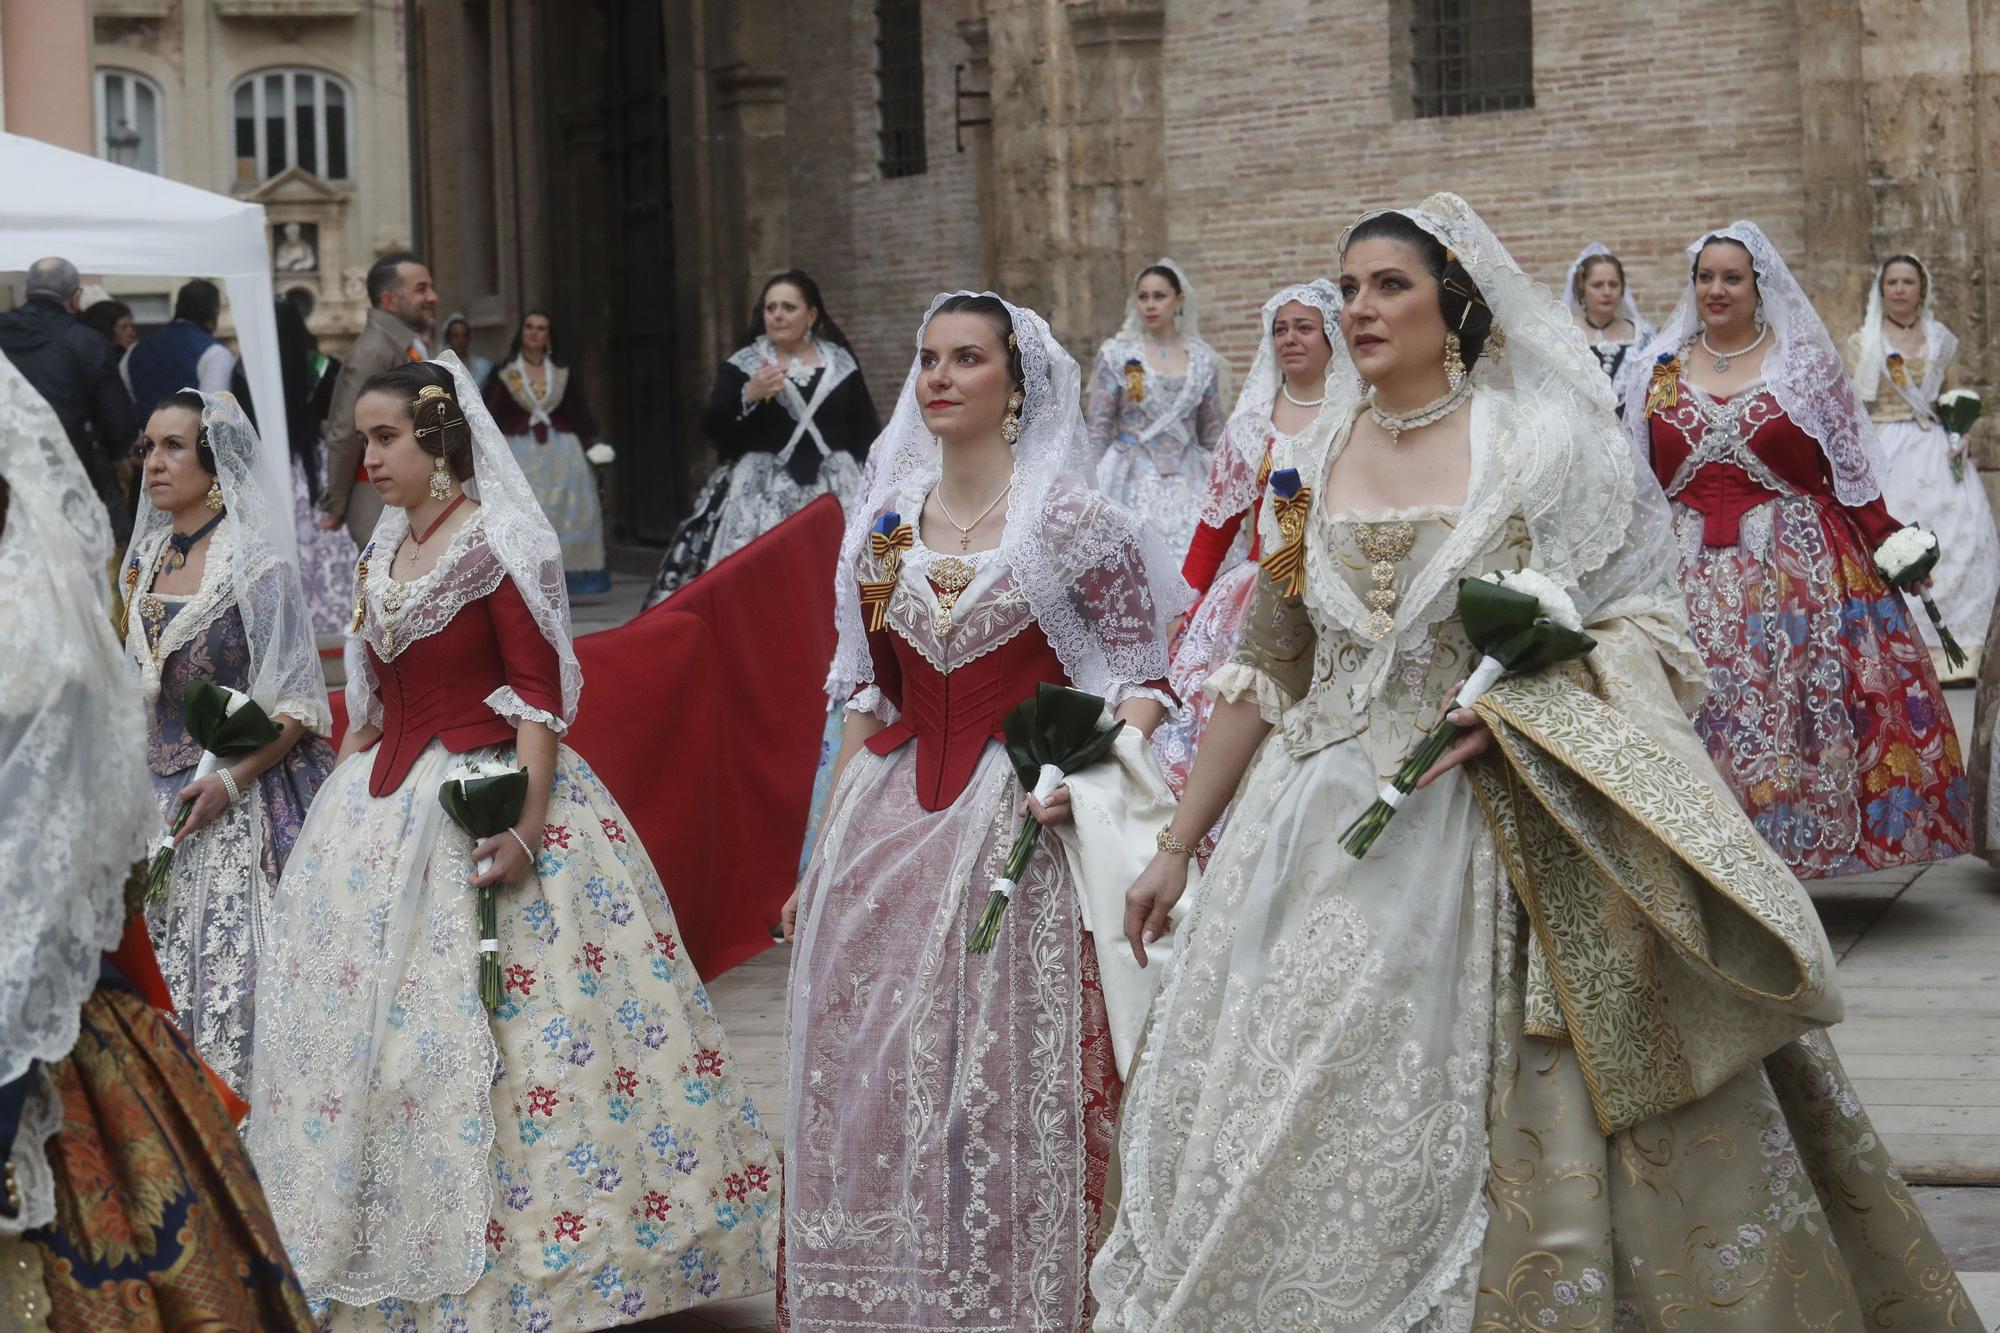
{"x":1628,"y":305}
{"x":1134,"y":328}
{"x":1802,"y":368}
{"x":1233,"y":483}
{"x":1600,"y":527}
{"x":250,"y":566}
{"x":1940,"y":343}
{"x":516,"y":532}
{"x":1058,"y":528}
{"x":76,"y":807}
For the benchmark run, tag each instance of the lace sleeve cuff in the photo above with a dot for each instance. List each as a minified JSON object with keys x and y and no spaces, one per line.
{"x":1239,"y":681}
{"x":509,"y":704}
{"x":41,"y":1117}
{"x":314,"y":716}
{"x":875,"y":704}
{"x":1123,"y":693}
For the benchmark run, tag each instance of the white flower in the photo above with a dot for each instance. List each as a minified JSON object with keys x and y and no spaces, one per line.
{"x":236,"y":701}
{"x":1750,"y":1234}
{"x":1903,"y":551}
{"x":1952,"y":397}
{"x":1555,"y":603}
{"x":1591,"y":1280}
{"x":477,"y":769}
{"x":601,"y":453}
{"x":1564,"y":1292}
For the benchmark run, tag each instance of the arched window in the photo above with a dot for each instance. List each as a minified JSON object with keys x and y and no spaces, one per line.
{"x":291,"y":118}
{"x":128,"y":119}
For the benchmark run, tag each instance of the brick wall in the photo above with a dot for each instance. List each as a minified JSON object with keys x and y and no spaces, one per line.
{"x":1645,"y":130}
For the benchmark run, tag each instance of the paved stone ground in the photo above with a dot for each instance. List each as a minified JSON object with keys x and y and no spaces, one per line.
{"x":1919,"y":955}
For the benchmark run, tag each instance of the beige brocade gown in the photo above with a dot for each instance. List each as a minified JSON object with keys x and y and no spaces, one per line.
{"x":1767,"y":1205}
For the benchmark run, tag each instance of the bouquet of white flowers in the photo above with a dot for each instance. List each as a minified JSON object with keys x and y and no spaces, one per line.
{"x":1957,"y":411}
{"x":1520,"y":622}
{"x":601,"y":454}
{"x":226,"y":724}
{"x":485,"y":799}
{"x":1906,"y":558}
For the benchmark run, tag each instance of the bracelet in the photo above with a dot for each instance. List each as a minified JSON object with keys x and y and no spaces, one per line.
{"x":1167,"y":842}
{"x":13,"y":1191}
{"x":229,"y":785}
{"x":524,"y":847}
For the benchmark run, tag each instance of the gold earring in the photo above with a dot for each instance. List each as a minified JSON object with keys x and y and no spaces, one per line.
{"x":1454,"y":369}
{"x":440,"y":480}
{"x":215,"y":492}
{"x":1010,"y":429}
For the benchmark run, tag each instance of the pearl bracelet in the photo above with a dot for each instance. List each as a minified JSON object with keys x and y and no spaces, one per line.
{"x":524,"y":847}
{"x":229,"y":785}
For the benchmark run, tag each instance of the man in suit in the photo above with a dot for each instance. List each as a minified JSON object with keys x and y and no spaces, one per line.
{"x":402,"y":305}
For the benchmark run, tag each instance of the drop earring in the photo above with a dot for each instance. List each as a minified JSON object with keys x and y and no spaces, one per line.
{"x":440,"y":480}
{"x":1010,"y":428}
{"x":215,"y":492}
{"x":1454,"y":368}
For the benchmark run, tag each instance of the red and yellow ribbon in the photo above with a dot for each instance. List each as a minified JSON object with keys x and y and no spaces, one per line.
{"x":887,"y":548}
{"x":1665,"y":390}
{"x":1287,"y":564}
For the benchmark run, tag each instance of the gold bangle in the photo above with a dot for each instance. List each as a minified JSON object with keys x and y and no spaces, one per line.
{"x":1167,"y":842}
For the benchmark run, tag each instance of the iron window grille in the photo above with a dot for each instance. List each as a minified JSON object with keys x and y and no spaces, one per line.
{"x":899,"y":86}
{"x":1471,"y":56}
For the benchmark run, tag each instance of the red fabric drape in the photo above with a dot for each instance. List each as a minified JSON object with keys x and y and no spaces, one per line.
{"x":704,"y":717}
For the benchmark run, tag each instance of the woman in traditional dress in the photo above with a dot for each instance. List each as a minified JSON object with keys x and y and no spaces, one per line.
{"x":1546,"y":1056}
{"x":1155,"y":406}
{"x":128,"y":1202}
{"x":1901,"y":359}
{"x":790,"y":418}
{"x":583,"y":1155}
{"x":211,"y":594}
{"x":950,"y":1114}
{"x":1825,"y":714}
{"x":539,"y":405}
{"x":1296,"y":331}
{"x":1605,"y":309}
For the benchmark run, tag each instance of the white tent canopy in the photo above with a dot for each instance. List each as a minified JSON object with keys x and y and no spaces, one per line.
{"x":105,"y":218}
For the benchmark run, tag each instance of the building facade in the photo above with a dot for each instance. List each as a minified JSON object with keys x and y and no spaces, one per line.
{"x":640,"y":168}
{"x":299,"y":105}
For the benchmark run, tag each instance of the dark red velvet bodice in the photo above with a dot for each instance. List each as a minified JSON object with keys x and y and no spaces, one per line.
{"x":952,"y":716}
{"x":1723,"y":492}
{"x":436,"y":688}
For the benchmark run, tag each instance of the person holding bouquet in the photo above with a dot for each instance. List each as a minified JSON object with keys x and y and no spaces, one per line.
{"x":953,"y":1091}
{"x":126,"y":1200}
{"x":1901,"y":360}
{"x":581,"y":1156}
{"x":1825,"y":714}
{"x":1547,"y":1047}
{"x":212,"y":594}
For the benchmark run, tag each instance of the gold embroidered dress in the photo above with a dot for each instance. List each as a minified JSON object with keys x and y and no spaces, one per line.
{"x":1548,"y":1056}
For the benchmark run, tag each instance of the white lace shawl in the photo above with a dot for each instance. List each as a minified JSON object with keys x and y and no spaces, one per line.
{"x":1058,"y":528}
{"x":1802,"y":368}
{"x":76,"y":806}
{"x":244,"y":568}
{"x":555,"y":382}
{"x":1872,"y":350}
{"x":508,"y":535}
{"x":1546,"y":446}
{"x":1233,"y":478}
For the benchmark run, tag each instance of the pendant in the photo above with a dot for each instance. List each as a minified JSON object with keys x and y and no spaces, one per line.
{"x":951,"y":577}
{"x":1721,"y":364}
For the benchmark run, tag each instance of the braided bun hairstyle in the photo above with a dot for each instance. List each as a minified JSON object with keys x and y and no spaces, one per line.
{"x":442,"y":430}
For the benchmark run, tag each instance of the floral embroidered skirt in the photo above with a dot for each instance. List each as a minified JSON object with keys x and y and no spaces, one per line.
{"x":582,"y":1158}
{"x":160,"y":1223}
{"x":326,"y":562}
{"x":739,"y":503}
{"x":1824,"y":713}
{"x":1205,"y":647}
{"x":950,"y":1115}
{"x":567,"y":489}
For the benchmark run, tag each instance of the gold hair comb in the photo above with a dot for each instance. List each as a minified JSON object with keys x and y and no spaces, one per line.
{"x":432,"y":393}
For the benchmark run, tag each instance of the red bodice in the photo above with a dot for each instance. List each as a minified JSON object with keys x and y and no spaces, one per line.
{"x":1722,"y":492}
{"x":952,"y":716}
{"x":436,"y":688}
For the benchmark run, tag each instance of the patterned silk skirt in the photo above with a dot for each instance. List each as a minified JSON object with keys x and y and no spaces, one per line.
{"x":567,"y":489}
{"x":160,"y":1224}
{"x":1825,"y":715}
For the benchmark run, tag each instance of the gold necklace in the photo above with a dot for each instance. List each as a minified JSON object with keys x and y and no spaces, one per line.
{"x":965,"y":529}
{"x":952,"y":577}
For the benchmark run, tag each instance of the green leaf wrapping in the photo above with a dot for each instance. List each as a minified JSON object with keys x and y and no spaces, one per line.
{"x":205,"y":709}
{"x":1959,"y":415}
{"x":484,"y":807}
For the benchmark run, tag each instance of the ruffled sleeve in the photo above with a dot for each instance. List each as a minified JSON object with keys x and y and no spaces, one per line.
{"x":533,"y":692}
{"x":1273,"y":661}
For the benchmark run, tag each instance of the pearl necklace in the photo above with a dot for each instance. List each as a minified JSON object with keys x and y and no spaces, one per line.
{"x":1722,"y":359}
{"x":1284,"y":387}
{"x":1398,"y":422}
